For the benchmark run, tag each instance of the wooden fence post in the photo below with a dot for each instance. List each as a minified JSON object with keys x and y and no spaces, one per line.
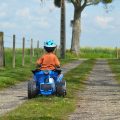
{"x":117,"y":55}
{"x":37,"y":48}
{"x":14,"y":51}
{"x":58,"y":52}
{"x":2,"y":61}
{"x":31,"y":51}
{"x":23,"y":52}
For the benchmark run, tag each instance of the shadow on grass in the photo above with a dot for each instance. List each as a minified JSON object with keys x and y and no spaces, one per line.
{"x":33,"y":118}
{"x":46,"y":118}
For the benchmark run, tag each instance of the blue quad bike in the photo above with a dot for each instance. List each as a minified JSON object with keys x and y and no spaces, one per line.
{"x":46,"y":83}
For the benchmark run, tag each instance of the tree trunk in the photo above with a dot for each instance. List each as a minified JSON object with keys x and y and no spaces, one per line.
{"x":76,"y":24}
{"x":2,"y":60}
{"x":62,"y":32}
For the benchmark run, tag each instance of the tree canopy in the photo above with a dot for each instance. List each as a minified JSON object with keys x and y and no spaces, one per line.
{"x":79,"y":6}
{"x":88,"y":2}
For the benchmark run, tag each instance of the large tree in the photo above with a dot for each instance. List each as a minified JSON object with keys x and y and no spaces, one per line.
{"x":79,"y":6}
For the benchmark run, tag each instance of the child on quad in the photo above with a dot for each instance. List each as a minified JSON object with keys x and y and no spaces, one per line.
{"x":47,"y":80}
{"x":49,"y":60}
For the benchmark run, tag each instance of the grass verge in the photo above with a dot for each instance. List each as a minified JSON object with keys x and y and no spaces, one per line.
{"x":97,"y":52}
{"x":115,"y":66}
{"x":52,"y":107}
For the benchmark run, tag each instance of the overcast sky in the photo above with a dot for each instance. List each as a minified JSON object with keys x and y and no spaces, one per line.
{"x":30,"y":18}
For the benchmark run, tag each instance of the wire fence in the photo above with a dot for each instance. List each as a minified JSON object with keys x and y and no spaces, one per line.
{"x":19,"y":51}
{"x":16,"y":50}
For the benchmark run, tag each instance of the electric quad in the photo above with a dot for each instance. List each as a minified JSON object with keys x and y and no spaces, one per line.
{"x":46,"y":82}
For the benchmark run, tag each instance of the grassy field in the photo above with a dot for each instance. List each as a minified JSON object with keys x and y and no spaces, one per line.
{"x":9,"y":53}
{"x":52,"y":107}
{"x":84,"y":53}
{"x":115,"y":66}
{"x":10,"y":76}
{"x":97,"y":52}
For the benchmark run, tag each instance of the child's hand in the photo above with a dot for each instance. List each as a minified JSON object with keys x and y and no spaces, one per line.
{"x":38,"y":65}
{"x":58,"y":66}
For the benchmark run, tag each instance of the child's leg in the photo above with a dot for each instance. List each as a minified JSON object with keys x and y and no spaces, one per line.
{"x":60,"y":78}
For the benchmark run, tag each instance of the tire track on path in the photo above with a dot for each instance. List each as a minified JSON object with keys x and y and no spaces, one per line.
{"x":101,"y":98}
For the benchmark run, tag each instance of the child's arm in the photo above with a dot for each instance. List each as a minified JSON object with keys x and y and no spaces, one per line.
{"x":57,"y":62}
{"x":39,"y":62}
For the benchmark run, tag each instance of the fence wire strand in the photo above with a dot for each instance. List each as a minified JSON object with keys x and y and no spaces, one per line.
{"x":29,"y":51}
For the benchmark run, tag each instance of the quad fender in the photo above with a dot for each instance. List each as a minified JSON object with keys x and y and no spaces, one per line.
{"x":60,"y":78}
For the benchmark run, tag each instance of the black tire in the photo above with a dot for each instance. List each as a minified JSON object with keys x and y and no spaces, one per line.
{"x":64,"y":93}
{"x":32,"y":91}
{"x":61,"y":88}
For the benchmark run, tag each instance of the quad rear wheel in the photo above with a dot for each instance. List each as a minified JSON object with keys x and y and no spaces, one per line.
{"x":32,"y":90}
{"x":61,"y":88}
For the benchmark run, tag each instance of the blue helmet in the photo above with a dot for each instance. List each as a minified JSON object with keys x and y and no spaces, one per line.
{"x":49,"y":45}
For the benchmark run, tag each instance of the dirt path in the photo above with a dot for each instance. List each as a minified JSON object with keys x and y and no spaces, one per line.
{"x":10,"y":98}
{"x":101,"y":99}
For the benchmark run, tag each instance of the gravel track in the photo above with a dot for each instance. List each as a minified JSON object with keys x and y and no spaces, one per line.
{"x":101,"y":98}
{"x":11,"y":98}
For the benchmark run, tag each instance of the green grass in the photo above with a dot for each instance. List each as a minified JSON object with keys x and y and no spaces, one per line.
{"x":97,"y":52}
{"x":115,"y":66}
{"x":52,"y":107}
{"x":9,"y":53}
{"x":10,"y":76}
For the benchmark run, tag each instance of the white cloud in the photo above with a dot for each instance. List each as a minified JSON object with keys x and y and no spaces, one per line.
{"x":3,"y":14}
{"x":25,"y":12}
{"x":3,"y":6}
{"x":7,"y":25}
{"x":42,"y":22}
{"x":38,"y":1}
{"x":3,"y":9}
{"x":103,"y":21}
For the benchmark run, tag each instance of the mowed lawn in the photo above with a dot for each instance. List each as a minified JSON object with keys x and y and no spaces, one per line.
{"x":52,"y":107}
